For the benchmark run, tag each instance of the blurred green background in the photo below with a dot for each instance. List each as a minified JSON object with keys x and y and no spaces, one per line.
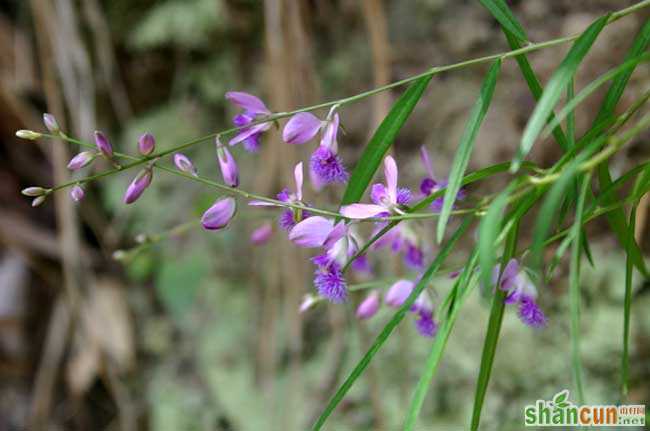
{"x":201,"y":331}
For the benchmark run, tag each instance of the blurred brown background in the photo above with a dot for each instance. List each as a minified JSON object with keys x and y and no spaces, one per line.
{"x":201,"y":332}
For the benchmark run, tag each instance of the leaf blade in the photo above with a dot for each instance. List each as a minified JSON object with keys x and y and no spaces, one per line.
{"x":502,"y":13}
{"x":555,"y":86}
{"x":461,"y":159}
{"x":381,"y":141}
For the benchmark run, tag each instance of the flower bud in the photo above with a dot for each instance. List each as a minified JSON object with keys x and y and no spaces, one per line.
{"x":103,"y":145}
{"x":80,"y":160}
{"x":51,"y":123}
{"x":183,"y":163}
{"x":138,"y":186}
{"x":219,"y":214}
{"x":229,"y":169}
{"x":262,"y":234}
{"x":34,"y":191}
{"x":368,"y":306}
{"x":398,"y":293}
{"x":28,"y":134}
{"x":38,"y":200}
{"x":119,"y":255}
{"x":77,"y":193}
{"x":146,"y":144}
{"x":308,"y":301}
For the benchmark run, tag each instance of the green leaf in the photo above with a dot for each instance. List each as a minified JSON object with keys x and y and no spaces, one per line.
{"x":560,"y":397}
{"x":382,"y":140}
{"x":504,"y":16}
{"x":494,"y":324}
{"x":555,"y":86}
{"x":461,"y":159}
{"x":574,"y":286}
{"x":488,"y":231}
{"x":394,"y":321}
{"x":616,"y":218}
{"x":455,"y":300}
{"x":569,"y":108}
{"x":627,"y":306}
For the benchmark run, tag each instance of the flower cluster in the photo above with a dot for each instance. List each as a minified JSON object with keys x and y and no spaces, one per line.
{"x":335,"y":235}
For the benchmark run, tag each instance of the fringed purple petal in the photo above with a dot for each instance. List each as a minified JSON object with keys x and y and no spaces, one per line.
{"x":531,"y":314}
{"x":327,"y":166}
{"x":330,"y":283}
{"x":403,"y":196}
{"x":413,"y":256}
{"x":425,"y":324}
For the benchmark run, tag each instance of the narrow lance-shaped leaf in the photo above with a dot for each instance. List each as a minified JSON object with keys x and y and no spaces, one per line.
{"x":574,"y":286}
{"x":496,"y":318}
{"x":455,"y":301}
{"x":390,"y":326}
{"x":381,"y":141}
{"x":527,"y":72}
{"x":555,"y":86}
{"x":616,"y":218}
{"x":504,"y":16}
{"x":461,"y":159}
{"x":488,"y":231}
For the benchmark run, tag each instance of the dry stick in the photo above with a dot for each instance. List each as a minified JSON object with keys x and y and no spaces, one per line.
{"x":67,"y":222}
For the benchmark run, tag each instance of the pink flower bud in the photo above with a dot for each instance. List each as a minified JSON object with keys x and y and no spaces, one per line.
{"x":368,"y":306}
{"x":51,"y":123}
{"x":138,"y":186}
{"x":219,"y":214}
{"x":103,"y":145}
{"x":38,"y":200}
{"x":307,"y":302}
{"x":146,"y":144}
{"x":183,"y":163}
{"x":77,"y":193}
{"x":80,"y":160}
{"x":398,"y":293}
{"x":229,"y":169}
{"x":262,"y":234}
{"x":34,"y":191}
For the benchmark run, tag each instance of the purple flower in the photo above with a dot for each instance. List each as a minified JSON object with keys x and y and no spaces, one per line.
{"x":138,"y":186}
{"x":183,"y":163}
{"x":330,"y":283}
{"x":312,"y":232}
{"x":413,"y":256}
{"x":430,"y":184}
{"x":219,"y":214}
{"x":289,"y":216}
{"x":80,"y":160}
{"x":146,"y":144}
{"x":521,"y":291}
{"x":254,"y":109}
{"x":300,"y":128}
{"x":369,"y":306}
{"x":51,"y":124}
{"x":398,"y":292}
{"x":77,"y":193}
{"x":103,"y":145}
{"x":425,"y":324}
{"x":385,"y":198}
{"x":229,"y":169}
{"x":327,"y":167}
{"x":262,"y":234}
